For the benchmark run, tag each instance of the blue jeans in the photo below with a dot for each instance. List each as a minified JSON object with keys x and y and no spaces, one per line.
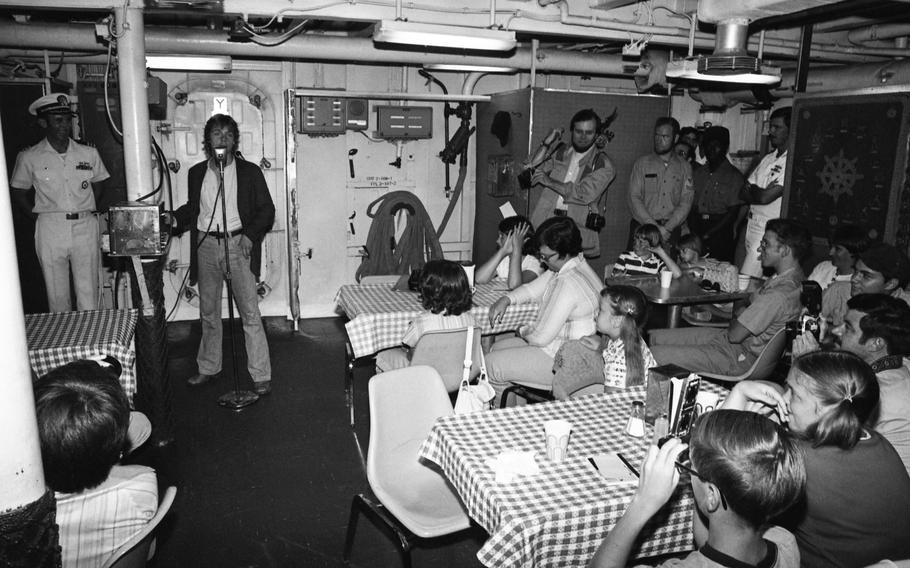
{"x":211,"y":276}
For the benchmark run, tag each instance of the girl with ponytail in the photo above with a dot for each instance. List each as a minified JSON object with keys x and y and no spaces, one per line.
{"x":857,"y":504}
{"x":623,"y":313}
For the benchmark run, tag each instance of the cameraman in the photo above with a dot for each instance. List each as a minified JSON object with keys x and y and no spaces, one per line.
{"x":574,"y":181}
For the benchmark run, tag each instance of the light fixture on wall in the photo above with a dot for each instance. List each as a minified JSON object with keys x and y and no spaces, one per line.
{"x":189,"y":62}
{"x":452,"y":37}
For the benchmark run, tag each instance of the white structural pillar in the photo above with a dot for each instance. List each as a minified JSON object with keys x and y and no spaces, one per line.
{"x":21,"y":472}
{"x":134,"y":108}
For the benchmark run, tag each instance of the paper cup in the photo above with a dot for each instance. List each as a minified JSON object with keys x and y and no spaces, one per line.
{"x":666,"y":277}
{"x":706,"y":402}
{"x":469,"y":271}
{"x":557,"y":432}
{"x":743,"y":282}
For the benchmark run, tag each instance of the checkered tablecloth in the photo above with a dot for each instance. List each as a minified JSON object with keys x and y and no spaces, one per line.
{"x":379,"y":315}
{"x":559,"y":517}
{"x":58,"y":338}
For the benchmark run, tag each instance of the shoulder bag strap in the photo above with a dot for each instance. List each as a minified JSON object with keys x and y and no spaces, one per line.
{"x":468,"y":348}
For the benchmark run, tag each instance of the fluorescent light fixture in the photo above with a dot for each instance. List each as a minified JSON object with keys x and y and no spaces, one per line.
{"x":688,"y":69}
{"x":469,"y":68}
{"x":188,"y":62}
{"x":452,"y":37}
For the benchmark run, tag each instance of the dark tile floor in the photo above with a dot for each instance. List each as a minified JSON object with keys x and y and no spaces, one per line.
{"x":272,"y":485}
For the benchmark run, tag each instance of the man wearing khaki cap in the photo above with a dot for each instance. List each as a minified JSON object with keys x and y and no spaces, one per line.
{"x":62,"y":173}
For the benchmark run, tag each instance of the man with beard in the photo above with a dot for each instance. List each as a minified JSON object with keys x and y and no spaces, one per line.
{"x":62,"y":173}
{"x":660,"y":187}
{"x":574,"y":180}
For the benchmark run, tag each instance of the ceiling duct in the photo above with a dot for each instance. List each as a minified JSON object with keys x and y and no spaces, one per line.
{"x":730,"y":63}
{"x":729,"y":57}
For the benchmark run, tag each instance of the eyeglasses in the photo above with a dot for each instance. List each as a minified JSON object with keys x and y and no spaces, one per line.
{"x":683,"y":467}
{"x":546,"y":257}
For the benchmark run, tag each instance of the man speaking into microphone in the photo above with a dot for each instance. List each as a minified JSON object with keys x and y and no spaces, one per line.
{"x":249,"y":212}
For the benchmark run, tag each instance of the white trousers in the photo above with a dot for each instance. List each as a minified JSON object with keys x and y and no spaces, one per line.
{"x":63,"y":244}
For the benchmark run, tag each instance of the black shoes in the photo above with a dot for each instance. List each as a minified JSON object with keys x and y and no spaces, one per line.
{"x":201,"y":379}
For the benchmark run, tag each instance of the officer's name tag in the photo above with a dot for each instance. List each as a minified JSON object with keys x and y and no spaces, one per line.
{"x":84,"y":166}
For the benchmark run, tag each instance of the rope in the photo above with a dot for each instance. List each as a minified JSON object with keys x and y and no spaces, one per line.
{"x":418,"y":242}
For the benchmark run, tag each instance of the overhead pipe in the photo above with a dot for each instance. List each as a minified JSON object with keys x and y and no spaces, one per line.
{"x":872,"y":33}
{"x":80,"y":37}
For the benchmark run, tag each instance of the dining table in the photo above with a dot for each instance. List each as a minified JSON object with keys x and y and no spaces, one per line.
{"x":55,"y":339}
{"x":683,"y":291}
{"x":379,"y":314}
{"x":559,"y":516}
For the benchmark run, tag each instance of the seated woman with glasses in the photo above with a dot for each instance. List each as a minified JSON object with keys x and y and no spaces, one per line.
{"x":744,"y":470}
{"x":857,"y":505}
{"x":568,"y":294}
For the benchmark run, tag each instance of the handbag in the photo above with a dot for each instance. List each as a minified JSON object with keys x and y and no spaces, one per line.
{"x":473,"y":398}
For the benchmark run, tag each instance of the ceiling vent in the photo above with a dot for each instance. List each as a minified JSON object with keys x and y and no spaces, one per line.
{"x":730,"y":63}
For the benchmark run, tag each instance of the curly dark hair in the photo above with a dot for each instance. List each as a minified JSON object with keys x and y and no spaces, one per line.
{"x":220,"y":120}
{"x":560,"y":234}
{"x":444,"y":288}
{"x":83,"y":417}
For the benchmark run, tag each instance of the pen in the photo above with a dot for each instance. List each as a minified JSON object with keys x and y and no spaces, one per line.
{"x":631,"y":467}
{"x":593,"y":463}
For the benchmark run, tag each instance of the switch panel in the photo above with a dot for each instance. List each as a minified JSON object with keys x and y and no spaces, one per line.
{"x":321,"y":115}
{"x":404,"y":122}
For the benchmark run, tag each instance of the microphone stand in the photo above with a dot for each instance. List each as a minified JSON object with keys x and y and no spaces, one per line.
{"x":236,"y":399}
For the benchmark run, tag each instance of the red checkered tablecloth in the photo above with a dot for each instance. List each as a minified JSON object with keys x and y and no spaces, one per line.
{"x":58,"y":338}
{"x":379,"y":315}
{"x":559,"y":517}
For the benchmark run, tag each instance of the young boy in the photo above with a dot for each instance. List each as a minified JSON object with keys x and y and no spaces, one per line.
{"x":745,"y":470}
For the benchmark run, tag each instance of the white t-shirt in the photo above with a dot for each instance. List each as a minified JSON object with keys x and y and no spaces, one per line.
{"x":528,"y":263}
{"x":771,"y":169}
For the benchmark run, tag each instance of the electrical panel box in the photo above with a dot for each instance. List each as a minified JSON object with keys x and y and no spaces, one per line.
{"x":404,"y":122}
{"x":321,"y":115}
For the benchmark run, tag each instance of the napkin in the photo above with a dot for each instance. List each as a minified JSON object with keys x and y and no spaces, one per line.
{"x":511,"y":463}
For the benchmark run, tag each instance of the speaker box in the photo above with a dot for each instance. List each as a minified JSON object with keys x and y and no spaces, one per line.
{"x":358,"y":111}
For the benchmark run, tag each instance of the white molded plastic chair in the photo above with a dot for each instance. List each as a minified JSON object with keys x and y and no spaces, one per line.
{"x":414,"y":500}
{"x":444,"y":351}
{"x":134,"y":553}
{"x":764,"y":364}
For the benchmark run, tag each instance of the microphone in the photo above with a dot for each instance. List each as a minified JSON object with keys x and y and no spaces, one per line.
{"x":220,"y":153}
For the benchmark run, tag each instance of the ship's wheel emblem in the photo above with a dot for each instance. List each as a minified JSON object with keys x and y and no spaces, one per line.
{"x":839,"y":176}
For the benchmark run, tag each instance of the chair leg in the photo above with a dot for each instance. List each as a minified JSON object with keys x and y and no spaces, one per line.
{"x":352,"y":528}
{"x":384,"y":521}
{"x":349,"y":379}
